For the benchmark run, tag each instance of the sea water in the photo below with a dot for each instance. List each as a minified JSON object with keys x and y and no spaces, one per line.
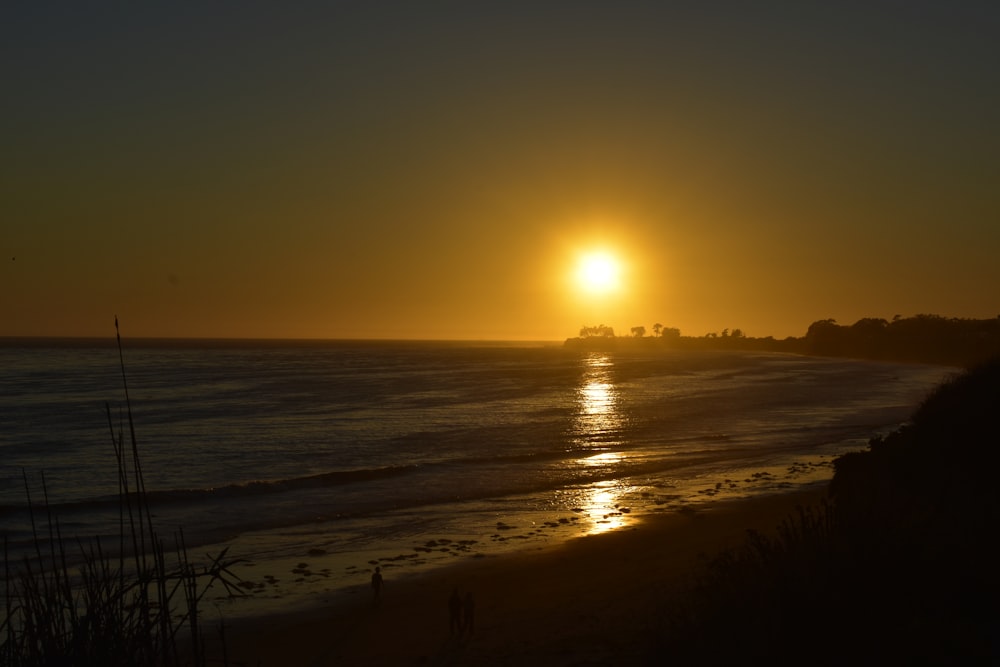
{"x":336,"y":456}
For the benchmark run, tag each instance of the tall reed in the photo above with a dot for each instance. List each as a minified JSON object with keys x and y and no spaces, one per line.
{"x":74,"y":602}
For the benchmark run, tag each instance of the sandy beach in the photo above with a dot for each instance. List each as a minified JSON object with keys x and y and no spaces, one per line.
{"x":595,"y":600}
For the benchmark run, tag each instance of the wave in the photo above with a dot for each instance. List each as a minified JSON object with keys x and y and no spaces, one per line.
{"x":237,"y":490}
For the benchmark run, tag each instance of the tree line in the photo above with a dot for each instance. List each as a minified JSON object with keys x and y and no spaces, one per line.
{"x":921,"y":338}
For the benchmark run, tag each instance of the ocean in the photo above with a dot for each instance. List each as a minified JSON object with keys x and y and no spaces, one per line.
{"x":319,"y":460}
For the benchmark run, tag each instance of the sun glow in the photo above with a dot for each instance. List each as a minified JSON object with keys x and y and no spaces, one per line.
{"x":599,"y":273}
{"x":599,"y":277}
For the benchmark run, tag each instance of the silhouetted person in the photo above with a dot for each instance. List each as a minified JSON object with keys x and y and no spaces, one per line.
{"x":455,"y":612}
{"x":377,"y":585}
{"x":469,"y":613}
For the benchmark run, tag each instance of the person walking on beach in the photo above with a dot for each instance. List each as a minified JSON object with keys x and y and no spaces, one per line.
{"x":469,"y":613}
{"x":377,"y":585}
{"x":455,"y":612}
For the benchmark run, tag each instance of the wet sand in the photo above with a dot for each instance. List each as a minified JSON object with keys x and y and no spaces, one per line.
{"x":595,"y":600}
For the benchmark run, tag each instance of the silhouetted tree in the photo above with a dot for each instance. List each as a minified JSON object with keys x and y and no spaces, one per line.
{"x":824,"y":338}
{"x":868,"y":337}
{"x":670,"y":333}
{"x":600,"y":330}
{"x":639,"y":331}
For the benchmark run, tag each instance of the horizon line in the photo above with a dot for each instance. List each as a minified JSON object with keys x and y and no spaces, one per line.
{"x":112,"y":339}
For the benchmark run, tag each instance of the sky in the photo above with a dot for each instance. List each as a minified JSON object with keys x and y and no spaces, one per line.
{"x":434,"y":170}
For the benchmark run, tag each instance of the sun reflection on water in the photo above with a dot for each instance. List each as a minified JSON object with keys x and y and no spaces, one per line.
{"x":602,"y":459}
{"x":600,"y":506}
{"x":597,"y":398}
{"x":606,"y":513}
{"x":598,"y":432}
{"x":599,"y":418}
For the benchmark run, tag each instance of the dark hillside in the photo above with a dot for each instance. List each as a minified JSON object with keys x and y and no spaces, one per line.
{"x":898,"y":567}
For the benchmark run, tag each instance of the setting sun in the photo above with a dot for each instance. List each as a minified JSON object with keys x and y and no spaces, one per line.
{"x":599,"y":272}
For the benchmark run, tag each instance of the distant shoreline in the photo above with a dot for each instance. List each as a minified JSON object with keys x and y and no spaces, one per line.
{"x":110,"y":341}
{"x":955,"y":355}
{"x":924,"y":339}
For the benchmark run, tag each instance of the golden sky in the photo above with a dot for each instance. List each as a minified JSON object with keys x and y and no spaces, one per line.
{"x":434,"y":170}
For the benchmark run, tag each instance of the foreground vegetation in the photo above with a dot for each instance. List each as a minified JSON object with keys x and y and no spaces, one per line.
{"x":76,"y":603}
{"x":90,"y":603}
{"x":897,"y":567}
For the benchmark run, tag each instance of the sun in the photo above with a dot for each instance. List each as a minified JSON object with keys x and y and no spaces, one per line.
{"x":598,"y":272}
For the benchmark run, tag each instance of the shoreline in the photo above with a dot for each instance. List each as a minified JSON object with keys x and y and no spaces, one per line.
{"x":312,"y":570}
{"x":596,"y":599}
